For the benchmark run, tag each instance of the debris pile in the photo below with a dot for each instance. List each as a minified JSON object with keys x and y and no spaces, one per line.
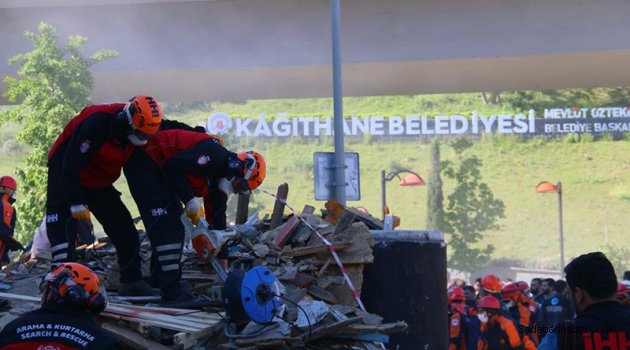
{"x":312,"y":268}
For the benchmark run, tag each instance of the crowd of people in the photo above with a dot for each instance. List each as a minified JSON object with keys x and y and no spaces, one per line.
{"x":589,"y":310}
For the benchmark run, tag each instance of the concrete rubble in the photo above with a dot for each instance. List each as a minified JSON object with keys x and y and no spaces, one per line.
{"x":318,"y":308}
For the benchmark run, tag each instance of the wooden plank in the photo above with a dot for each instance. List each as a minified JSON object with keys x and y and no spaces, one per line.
{"x":372,"y":337}
{"x":188,"y":340}
{"x":321,"y":294}
{"x":161,"y":324}
{"x":242,"y":209}
{"x":131,"y":338}
{"x":371,"y":222}
{"x":308,"y":210}
{"x":153,"y":317}
{"x":323,"y":331}
{"x":285,"y":232}
{"x":278,"y":208}
{"x":323,"y":269}
{"x":315,"y":249}
{"x":347,"y":218}
{"x":10,"y":296}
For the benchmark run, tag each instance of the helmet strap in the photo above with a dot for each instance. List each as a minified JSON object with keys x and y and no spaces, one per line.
{"x":250,"y":169}
{"x":127,"y":111}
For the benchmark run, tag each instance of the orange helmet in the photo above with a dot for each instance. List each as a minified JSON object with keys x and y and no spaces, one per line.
{"x":522,"y":286}
{"x":491,"y":284}
{"x":510,"y":291}
{"x":255,"y":168}
{"x":80,"y":275}
{"x":9,"y":183}
{"x":455,"y":294}
{"x":76,"y":285}
{"x":489,"y":302}
{"x":144,"y":114}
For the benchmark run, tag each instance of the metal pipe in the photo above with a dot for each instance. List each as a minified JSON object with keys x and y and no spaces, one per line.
{"x":383,"y":200}
{"x":340,"y":166}
{"x":561,"y":229}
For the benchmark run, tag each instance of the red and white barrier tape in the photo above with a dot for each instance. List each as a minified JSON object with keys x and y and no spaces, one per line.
{"x":330,"y":246}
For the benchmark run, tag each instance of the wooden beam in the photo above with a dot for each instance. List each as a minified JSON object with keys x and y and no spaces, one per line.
{"x":278,"y":208}
{"x":131,"y":338}
{"x":316,"y":249}
{"x":242,"y":209}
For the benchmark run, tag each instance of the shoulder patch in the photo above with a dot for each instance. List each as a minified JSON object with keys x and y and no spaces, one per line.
{"x":455,"y":322}
{"x":85,"y":146}
{"x":532,"y":309}
{"x":203,"y":160}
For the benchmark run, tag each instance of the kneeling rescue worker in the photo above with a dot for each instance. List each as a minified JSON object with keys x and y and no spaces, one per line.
{"x":499,"y":331}
{"x":71,"y":295}
{"x":179,"y":166}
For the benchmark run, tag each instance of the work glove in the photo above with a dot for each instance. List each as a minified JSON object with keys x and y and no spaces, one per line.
{"x":194,"y":210}
{"x":13,"y":244}
{"x":80,"y":212}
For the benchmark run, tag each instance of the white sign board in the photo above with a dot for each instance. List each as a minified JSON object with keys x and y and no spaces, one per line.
{"x":324,"y":165}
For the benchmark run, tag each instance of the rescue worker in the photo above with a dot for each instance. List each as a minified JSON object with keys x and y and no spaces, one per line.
{"x":457,"y":320}
{"x":499,"y":332}
{"x":71,"y":295}
{"x":184,"y":166}
{"x":602,"y":323}
{"x":556,"y":308}
{"x":490,"y":285}
{"x":524,"y":288}
{"x":8,"y":186}
{"x":521,"y":308}
{"x":84,"y":162}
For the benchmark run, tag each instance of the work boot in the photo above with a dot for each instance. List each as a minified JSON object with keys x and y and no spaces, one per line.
{"x":138,"y":288}
{"x":175,"y":294}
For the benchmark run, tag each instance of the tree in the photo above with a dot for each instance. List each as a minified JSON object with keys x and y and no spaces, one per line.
{"x":619,"y":257}
{"x":471,"y":210}
{"x":53,"y":83}
{"x":435,"y":199}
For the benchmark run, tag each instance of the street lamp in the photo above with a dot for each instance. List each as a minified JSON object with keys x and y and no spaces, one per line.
{"x":413,"y":179}
{"x":547,"y":187}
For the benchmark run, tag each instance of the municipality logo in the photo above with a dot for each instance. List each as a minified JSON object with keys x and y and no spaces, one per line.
{"x":218,"y":123}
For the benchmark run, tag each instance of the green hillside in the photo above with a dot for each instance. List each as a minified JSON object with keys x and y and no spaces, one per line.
{"x":594,"y":174}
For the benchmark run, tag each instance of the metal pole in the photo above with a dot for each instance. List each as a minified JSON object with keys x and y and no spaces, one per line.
{"x":340,"y":167}
{"x":561,"y":229}
{"x":383,"y":200}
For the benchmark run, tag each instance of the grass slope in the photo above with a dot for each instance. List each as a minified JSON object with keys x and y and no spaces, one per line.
{"x":594,"y":174}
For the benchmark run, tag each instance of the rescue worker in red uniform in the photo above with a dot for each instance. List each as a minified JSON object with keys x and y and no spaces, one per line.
{"x":457,"y":320}
{"x":178,"y":166}
{"x":71,"y":295}
{"x":8,"y":186}
{"x":84,"y":162}
{"x":602,"y":322}
{"x":521,"y":308}
{"x":498,"y":331}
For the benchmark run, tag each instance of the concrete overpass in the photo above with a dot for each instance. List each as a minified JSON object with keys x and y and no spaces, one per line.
{"x":183,"y":50}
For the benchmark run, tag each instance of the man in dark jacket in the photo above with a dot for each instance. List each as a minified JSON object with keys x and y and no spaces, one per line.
{"x":71,"y":294}
{"x":601,"y":323}
{"x":557,"y":308}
